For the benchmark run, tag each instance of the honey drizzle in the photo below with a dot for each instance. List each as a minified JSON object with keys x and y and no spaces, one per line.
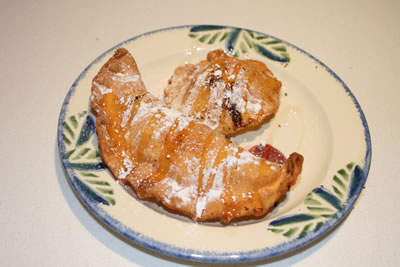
{"x":191,"y":95}
{"x":172,"y":141}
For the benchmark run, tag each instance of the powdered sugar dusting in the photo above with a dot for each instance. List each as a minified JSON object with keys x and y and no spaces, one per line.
{"x":218,"y":185}
{"x":194,"y":92}
{"x":215,"y":191}
{"x":144,"y":110}
{"x":245,"y":157}
{"x":234,"y":158}
{"x":173,"y":189}
{"x":214,"y":106}
{"x":218,"y":73}
{"x":127,"y":113}
{"x":163,"y":126}
{"x":126,"y":77}
{"x":193,"y":169}
{"x":170,"y":114}
{"x":253,"y":107}
{"x":208,"y":169}
{"x":128,"y":166}
{"x":103,"y":89}
{"x":239,"y":89}
{"x":186,"y":189}
{"x":183,"y":122}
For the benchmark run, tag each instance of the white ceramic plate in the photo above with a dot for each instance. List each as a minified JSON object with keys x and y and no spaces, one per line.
{"x":319,"y":117}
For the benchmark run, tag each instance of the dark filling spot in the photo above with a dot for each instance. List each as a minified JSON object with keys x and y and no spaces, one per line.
{"x":231,"y":107}
{"x":235,"y":114}
{"x":138,"y":97}
{"x":211,"y":80}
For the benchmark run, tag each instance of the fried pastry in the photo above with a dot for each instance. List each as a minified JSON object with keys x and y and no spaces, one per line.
{"x":176,"y":161}
{"x":226,"y":93}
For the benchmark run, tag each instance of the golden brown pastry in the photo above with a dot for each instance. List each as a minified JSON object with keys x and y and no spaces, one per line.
{"x":175,"y":160}
{"x":226,"y":93}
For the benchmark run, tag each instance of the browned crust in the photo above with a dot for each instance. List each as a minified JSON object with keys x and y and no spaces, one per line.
{"x":250,"y":189}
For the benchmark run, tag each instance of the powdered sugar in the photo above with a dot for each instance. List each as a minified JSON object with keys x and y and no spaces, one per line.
{"x":214,"y":105}
{"x":163,"y":126}
{"x":217,"y":187}
{"x":144,"y":110}
{"x":245,"y":157}
{"x":103,"y":90}
{"x":128,"y":166}
{"x":173,"y":189}
{"x":239,"y":89}
{"x":186,"y":188}
{"x":253,"y":107}
{"x":170,"y":114}
{"x":127,"y":113}
{"x":215,"y":191}
{"x":126,"y":77}
{"x":183,"y":122}
{"x":218,"y":73}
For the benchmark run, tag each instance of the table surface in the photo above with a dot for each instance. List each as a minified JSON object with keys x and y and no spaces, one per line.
{"x":46,"y":44}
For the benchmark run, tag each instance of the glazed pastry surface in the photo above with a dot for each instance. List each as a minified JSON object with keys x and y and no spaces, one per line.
{"x":226,"y":93}
{"x":175,"y":160}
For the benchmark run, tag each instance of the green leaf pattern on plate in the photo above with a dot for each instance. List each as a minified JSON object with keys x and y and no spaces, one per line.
{"x":321,"y":205}
{"x":239,"y":42}
{"x":84,"y":157}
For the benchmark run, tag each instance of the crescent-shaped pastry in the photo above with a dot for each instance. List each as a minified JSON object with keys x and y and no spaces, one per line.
{"x":226,"y":93}
{"x":175,"y":160}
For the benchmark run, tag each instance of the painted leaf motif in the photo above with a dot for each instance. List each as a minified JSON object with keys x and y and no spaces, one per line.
{"x":70,"y":127}
{"x":232,"y":40}
{"x":329,"y":197}
{"x":87,"y":130}
{"x":202,"y":28}
{"x":239,"y":41}
{"x":88,"y":166}
{"x":355,"y":182}
{"x":321,"y":204}
{"x":90,"y":194}
{"x":292,"y":219}
{"x":269,"y":54}
{"x":79,"y":130}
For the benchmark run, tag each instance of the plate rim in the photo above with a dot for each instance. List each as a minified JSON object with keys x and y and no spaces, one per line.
{"x":210,"y":256}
